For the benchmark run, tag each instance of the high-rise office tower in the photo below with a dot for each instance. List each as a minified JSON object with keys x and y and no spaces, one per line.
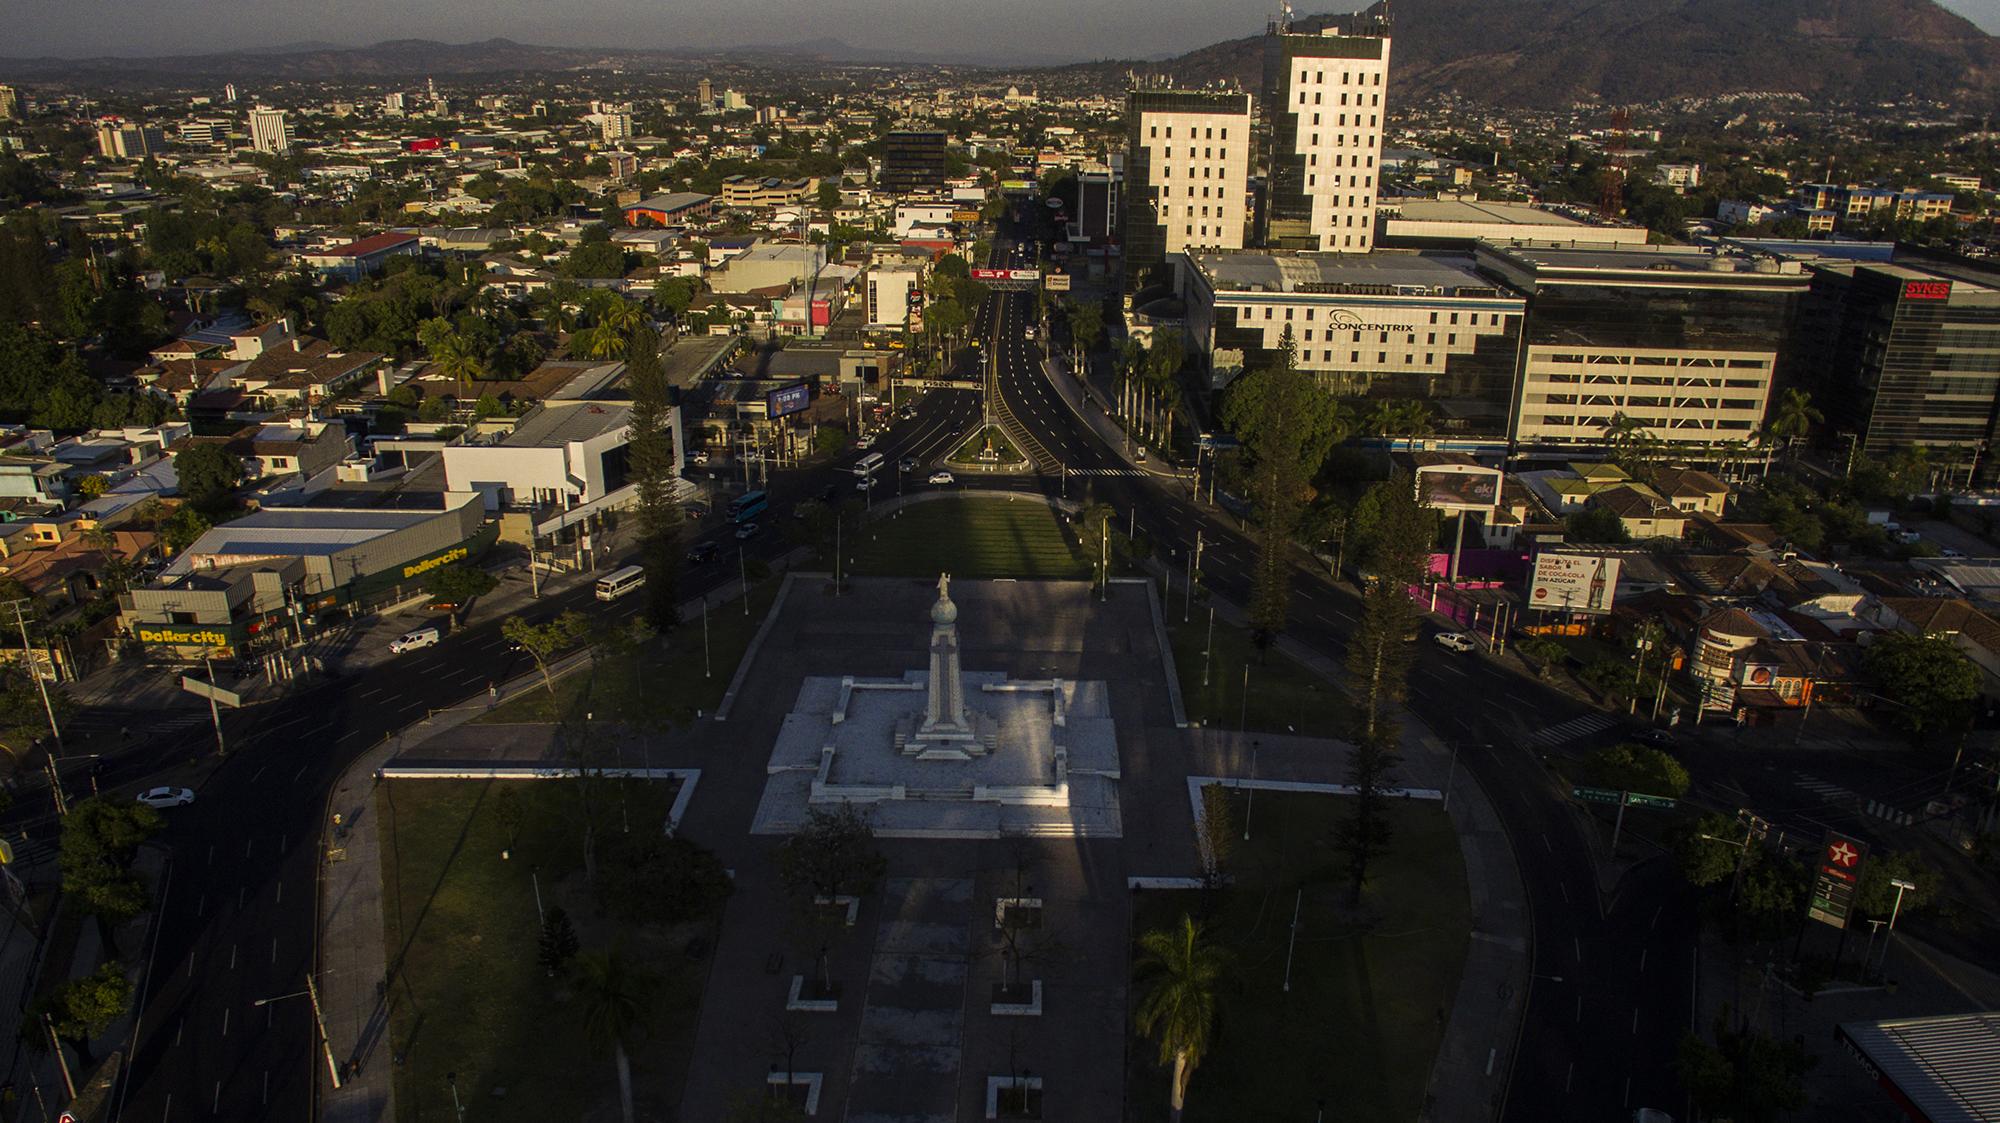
{"x":229,"y":92}
{"x":118,"y":140}
{"x":395,"y":104}
{"x":268,"y":132}
{"x":1322,"y":122}
{"x":13,"y":106}
{"x":913,"y":161}
{"x":704,"y":93}
{"x":1187,"y":174}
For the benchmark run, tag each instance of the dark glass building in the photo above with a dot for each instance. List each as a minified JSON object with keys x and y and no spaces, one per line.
{"x":912,"y":163}
{"x":1905,"y":357}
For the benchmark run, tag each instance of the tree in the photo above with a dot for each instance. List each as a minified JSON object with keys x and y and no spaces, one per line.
{"x":543,"y":642}
{"x":674,"y":295}
{"x":1378,"y":659}
{"x":100,"y":839}
{"x":1792,"y":417}
{"x":1286,"y":421}
{"x":599,"y":341}
{"x":644,"y":876}
{"x":557,"y":944}
{"x":180,"y":529}
{"x":1744,"y":1075}
{"x":1217,"y":835}
{"x":81,"y":1010}
{"x":458,"y":584}
{"x":1364,"y":834}
{"x":1629,"y":444}
{"x":1637,"y":768}
{"x":1595,"y":525}
{"x":833,"y":854}
{"x":1927,"y":680}
{"x":1705,"y":851}
{"x":650,"y":448}
{"x":1179,"y":972}
{"x":1877,"y":897}
{"x":208,"y":474}
{"x":614,"y":1010}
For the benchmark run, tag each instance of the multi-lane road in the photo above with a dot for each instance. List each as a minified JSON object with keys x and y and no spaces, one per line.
{"x":1611,"y":972}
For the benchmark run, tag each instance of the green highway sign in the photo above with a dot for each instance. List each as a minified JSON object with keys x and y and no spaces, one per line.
{"x":1629,"y":799}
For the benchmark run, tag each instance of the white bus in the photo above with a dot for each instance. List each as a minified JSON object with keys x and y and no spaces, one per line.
{"x":611,"y":586}
{"x":866,"y":466}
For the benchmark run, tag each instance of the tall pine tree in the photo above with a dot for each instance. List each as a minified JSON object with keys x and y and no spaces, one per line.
{"x":651,"y":452}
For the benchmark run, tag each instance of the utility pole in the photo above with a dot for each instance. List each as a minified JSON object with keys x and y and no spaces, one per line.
{"x":214,"y":714}
{"x":48,"y":707}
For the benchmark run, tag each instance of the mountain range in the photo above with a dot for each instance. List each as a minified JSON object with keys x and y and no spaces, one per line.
{"x":1548,"y":53}
{"x":1533,"y":53}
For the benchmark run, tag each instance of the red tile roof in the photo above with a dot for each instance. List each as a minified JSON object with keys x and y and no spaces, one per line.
{"x":373,"y":244}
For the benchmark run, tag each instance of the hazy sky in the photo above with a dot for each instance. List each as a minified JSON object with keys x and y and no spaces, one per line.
{"x":1040,"y":28}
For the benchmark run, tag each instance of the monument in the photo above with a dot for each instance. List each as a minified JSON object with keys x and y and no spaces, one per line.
{"x":981,"y":755}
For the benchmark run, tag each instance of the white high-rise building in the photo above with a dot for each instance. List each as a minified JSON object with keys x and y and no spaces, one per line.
{"x":268,"y":132}
{"x":13,"y":106}
{"x":1323,"y":116}
{"x":1187,"y":174}
{"x":229,"y":93}
{"x":396,"y":104}
{"x":616,"y":126}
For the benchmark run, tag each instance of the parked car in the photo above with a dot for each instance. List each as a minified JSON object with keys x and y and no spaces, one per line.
{"x":700,"y":456}
{"x":442,"y":607}
{"x":702,"y":553}
{"x":748,"y":531}
{"x":415,"y":641}
{"x":1455,"y":641}
{"x":942,"y":477}
{"x":165,"y":797}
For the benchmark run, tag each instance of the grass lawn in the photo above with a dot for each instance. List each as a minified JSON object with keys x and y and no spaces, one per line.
{"x":974,"y":537}
{"x":469,"y":997}
{"x":969,"y":451}
{"x":1370,"y":987}
{"x":1282,"y":693}
{"x":670,"y":683}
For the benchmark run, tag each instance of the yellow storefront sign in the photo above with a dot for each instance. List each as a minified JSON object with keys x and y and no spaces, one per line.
{"x":184,"y":637}
{"x":449,"y":556}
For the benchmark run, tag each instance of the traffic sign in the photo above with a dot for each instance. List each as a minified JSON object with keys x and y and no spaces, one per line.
{"x":1837,"y":877}
{"x":1659,"y":801}
{"x":212,"y":692}
{"x":1627,"y":799}
{"x":1596,"y":795}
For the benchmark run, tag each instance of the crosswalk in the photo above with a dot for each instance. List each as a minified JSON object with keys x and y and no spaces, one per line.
{"x":94,"y":722}
{"x":1574,"y":729}
{"x":1105,"y":472}
{"x":1827,"y":790}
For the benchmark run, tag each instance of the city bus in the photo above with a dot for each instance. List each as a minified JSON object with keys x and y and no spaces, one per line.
{"x":866,"y":465}
{"x":748,"y":506}
{"x":616,"y":584}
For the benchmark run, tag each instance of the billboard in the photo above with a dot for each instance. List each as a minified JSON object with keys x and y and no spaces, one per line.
{"x":1005,"y":275}
{"x":1573,"y":583}
{"x":787,"y":399}
{"x":1458,"y":487}
{"x":1926,"y":290}
{"x":1056,"y":282}
{"x":1836,"y":878}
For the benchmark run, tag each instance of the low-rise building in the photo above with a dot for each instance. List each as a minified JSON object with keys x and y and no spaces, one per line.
{"x":359,"y":259}
{"x":750,"y":192}
{"x":672,"y":209}
{"x":1461,"y":223}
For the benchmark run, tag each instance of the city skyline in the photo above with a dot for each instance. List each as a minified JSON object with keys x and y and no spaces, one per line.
{"x":996,"y":32}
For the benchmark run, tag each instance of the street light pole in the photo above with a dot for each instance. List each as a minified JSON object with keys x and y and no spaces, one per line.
{"x":55,"y":734}
{"x":319,"y":1020}
{"x":1894,"y":912}
{"x":1250,"y":796}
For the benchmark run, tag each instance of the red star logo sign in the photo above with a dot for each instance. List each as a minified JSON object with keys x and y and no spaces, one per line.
{"x":1842,"y":854}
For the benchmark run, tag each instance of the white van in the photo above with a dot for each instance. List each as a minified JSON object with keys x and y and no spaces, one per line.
{"x":613,"y":585}
{"x":867,"y":465}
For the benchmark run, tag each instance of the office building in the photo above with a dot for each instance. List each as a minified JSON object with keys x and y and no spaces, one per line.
{"x":704,"y":94}
{"x":893,"y":291}
{"x":1100,"y":200}
{"x":1682,"y":340}
{"x":1322,"y":116}
{"x":615,"y":125}
{"x":204,"y":131}
{"x":229,"y":92}
{"x":1905,"y":357}
{"x":1851,"y":203}
{"x":1461,"y":224}
{"x":13,"y":104}
{"x":912,"y":163}
{"x":396,"y":104}
{"x":268,"y":132}
{"x":1400,"y":327}
{"x":118,"y":140}
{"x":1187,"y":168}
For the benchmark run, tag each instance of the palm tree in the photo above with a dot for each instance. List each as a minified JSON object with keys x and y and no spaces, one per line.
{"x":614,"y":1008}
{"x":1180,"y":971}
{"x":559,"y":305}
{"x":620,"y":315}
{"x":458,"y":361}
{"x":1793,"y":417}
{"x":599,"y":341}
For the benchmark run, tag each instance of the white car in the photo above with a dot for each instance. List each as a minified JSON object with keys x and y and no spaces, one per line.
{"x":415,"y":641}
{"x":1454,"y":641}
{"x":865,"y":483}
{"x":165,"y":797}
{"x":943,"y":478}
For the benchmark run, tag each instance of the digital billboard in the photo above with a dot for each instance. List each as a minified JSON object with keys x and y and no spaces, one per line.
{"x":1573,"y":583}
{"x":1458,"y":487}
{"x":788,"y":399}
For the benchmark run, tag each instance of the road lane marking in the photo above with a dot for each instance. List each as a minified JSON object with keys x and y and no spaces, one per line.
{"x":216,"y":1107}
{"x":1564,"y":886}
{"x":281,"y":893}
{"x":1569,"y":1078}
{"x":1579,"y":947}
{"x":1642,"y":959}
{"x":1579,"y":1007}
{"x":299,"y":773}
{"x":232,"y":957}
{"x":225,"y":1021}
{"x":1635,"y":1021}
{"x":274,"y":949}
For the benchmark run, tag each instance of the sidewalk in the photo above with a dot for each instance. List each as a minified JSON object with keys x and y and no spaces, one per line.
{"x":352,"y":961}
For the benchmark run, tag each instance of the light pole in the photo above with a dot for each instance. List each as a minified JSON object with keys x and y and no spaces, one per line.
{"x":319,"y":1020}
{"x":458,"y":1108}
{"x":1250,"y":795}
{"x":1894,"y":912}
{"x":55,"y":734}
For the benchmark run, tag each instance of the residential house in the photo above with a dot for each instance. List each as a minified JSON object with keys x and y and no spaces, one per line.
{"x":362,"y":258}
{"x":1640,"y":511}
{"x":1691,"y":490}
{"x":310,"y":371}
